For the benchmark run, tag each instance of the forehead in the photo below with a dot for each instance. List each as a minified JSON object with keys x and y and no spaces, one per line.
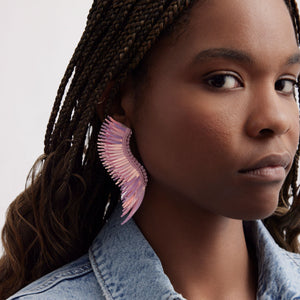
{"x":262,"y":28}
{"x":256,"y":20}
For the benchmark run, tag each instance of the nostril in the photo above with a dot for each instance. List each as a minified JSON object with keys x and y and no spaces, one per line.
{"x":266,"y":132}
{"x":268,"y":120}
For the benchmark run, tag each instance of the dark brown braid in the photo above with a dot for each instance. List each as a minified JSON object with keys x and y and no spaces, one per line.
{"x":284,"y":225}
{"x":69,"y":194}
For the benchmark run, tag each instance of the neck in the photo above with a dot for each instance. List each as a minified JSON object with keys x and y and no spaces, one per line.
{"x":204,"y":255}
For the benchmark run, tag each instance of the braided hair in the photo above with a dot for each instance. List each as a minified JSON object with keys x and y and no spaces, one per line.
{"x":69,"y":195}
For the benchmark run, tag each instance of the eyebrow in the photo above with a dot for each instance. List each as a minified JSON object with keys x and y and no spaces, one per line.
{"x":237,"y":55}
{"x":226,"y":53}
{"x":294,"y":59}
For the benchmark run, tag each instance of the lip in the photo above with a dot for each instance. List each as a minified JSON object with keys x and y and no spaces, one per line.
{"x":272,"y":167}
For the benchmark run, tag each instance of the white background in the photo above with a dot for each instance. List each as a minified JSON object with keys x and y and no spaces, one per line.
{"x":37,"y":40}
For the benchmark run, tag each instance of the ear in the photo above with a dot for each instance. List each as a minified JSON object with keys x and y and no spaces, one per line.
{"x":100,"y":108}
{"x":123,"y":107}
{"x":126,"y":104}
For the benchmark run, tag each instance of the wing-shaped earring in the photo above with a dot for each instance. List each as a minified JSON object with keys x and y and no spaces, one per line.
{"x":123,"y":167}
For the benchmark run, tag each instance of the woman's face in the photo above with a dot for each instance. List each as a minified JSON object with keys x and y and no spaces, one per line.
{"x":217,"y":124}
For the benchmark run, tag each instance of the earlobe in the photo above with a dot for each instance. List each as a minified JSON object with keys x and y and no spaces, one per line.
{"x":122,"y":109}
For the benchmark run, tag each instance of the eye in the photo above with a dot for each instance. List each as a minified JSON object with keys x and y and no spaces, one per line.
{"x":286,"y":86}
{"x":223,"y":81}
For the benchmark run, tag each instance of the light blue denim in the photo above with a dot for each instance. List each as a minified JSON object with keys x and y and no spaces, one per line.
{"x":121,"y":265}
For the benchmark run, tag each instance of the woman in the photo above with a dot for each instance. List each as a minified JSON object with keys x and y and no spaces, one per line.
{"x":207,"y":88}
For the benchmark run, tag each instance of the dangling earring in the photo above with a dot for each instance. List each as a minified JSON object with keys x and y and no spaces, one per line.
{"x":129,"y":174}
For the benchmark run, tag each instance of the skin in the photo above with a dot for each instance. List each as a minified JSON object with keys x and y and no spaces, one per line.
{"x":198,"y":123}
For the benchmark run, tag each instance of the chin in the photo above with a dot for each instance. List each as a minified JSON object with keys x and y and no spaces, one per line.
{"x":258,"y":215}
{"x":256,"y":210}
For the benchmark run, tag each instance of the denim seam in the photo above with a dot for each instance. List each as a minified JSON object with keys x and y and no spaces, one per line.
{"x":297,"y":263}
{"x":105,"y":290}
{"x":62,"y":276}
{"x":53,"y":280}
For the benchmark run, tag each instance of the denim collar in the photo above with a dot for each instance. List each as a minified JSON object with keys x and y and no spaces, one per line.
{"x":278,"y":269}
{"x":126,"y":267}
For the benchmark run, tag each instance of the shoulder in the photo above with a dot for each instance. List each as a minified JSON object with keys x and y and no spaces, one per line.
{"x":293,"y":259}
{"x":279,"y":270}
{"x":277,"y":257}
{"x":75,"y":280}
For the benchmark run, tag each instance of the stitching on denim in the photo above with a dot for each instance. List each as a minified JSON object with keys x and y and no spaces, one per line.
{"x":106,"y":291}
{"x":293,"y":259}
{"x":62,"y":276}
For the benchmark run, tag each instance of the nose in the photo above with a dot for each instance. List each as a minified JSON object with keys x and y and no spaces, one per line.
{"x":269,"y":113}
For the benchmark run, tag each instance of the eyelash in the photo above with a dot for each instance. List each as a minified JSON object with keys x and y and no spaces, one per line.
{"x":208,"y":80}
{"x":294,"y":83}
{"x":221,"y":77}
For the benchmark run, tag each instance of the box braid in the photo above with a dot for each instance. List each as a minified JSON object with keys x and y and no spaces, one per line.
{"x":284,"y":224}
{"x":70,"y":195}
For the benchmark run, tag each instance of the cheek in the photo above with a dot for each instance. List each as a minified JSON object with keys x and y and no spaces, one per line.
{"x":295,"y":130}
{"x":183,"y":143}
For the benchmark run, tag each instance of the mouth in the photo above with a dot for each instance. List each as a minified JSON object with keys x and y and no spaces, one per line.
{"x":273,"y":167}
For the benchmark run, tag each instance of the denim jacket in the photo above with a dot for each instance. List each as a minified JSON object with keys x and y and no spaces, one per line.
{"x":121,"y":265}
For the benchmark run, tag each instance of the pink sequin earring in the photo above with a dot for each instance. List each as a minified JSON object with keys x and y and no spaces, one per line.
{"x":125,"y":170}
